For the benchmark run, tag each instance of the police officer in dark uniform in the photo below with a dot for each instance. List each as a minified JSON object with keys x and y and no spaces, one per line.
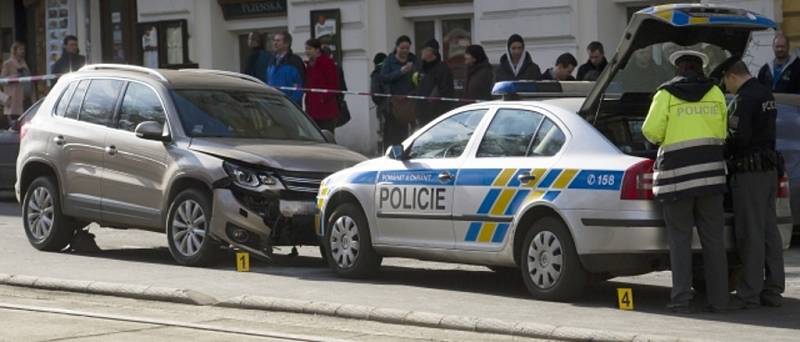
{"x":754,"y":165}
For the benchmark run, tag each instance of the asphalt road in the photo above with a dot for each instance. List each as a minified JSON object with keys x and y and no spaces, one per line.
{"x":137,"y":257}
{"x":36,"y":315}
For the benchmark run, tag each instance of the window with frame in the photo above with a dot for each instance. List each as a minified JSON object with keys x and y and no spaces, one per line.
{"x":510,"y":133}
{"x":76,"y":100}
{"x":548,"y":141}
{"x":244,"y":45}
{"x":164,"y":44}
{"x":448,"y":138}
{"x":139,"y":104}
{"x":101,"y":96}
{"x":63,"y":102}
{"x":454,"y":35}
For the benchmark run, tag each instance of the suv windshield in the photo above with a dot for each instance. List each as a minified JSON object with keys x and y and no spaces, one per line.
{"x":242,"y":114}
{"x":649,"y":67}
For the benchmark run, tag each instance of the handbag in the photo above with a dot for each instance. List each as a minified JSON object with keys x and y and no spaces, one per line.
{"x":403,"y":109}
{"x":344,"y":112}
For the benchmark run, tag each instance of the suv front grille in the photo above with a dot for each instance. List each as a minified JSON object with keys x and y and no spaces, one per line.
{"x":303,"y":182}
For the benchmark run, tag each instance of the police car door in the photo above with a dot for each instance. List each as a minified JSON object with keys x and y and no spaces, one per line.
{"x":511,"y":166}
{"x":414,"y":196}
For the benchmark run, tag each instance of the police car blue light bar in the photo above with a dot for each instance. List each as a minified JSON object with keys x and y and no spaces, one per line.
{"x":543,"y":88}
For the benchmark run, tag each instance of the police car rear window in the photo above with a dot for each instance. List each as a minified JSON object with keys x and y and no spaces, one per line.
{"x":510,"y":133}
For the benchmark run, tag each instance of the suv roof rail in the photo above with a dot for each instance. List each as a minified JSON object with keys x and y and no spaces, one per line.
{"x":227,"y":73}
{"x":125,"y":67}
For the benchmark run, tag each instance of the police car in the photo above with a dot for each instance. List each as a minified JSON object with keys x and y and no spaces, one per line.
{"x":560,"y":188}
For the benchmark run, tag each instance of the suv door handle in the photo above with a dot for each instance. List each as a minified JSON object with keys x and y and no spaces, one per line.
{"x":445,"y":177}
{"x":111,"y":150}
{"x":526,"y":178}
{"x":59,"y":140}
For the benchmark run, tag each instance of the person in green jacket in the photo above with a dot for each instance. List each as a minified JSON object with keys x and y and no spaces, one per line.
{"x":688,"y":119}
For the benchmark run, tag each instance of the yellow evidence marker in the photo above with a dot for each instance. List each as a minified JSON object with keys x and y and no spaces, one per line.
{"x":625,"y":298}
{"x":242,"y":261}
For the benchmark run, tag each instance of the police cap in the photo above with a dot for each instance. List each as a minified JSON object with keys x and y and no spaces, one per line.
{"x":681,"y":56}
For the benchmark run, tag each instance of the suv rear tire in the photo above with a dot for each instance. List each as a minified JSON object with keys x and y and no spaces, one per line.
{"x":549,"y":262}
{"x":188,"y":233}
{"x":348,"y":246}
{"x":46,"y":227}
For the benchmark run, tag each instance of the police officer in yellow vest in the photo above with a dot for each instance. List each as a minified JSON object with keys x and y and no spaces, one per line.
{"x":688,"y":120}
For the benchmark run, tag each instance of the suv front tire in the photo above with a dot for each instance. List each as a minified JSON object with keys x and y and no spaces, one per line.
{"x":188,"y":233}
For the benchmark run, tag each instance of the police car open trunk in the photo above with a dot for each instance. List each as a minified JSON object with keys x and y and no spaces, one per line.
{"x":620,"y":99}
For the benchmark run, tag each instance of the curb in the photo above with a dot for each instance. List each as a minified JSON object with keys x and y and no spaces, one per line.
{"x":361,"y":312}
{"x":433,"y":320}
{"x":165,"y":294}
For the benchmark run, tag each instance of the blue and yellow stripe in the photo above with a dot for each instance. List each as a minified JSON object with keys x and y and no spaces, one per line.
{"x":486,"y":232}
{"x":508,"y":194}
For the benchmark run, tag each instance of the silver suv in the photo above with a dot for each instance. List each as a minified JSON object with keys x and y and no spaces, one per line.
{"x":211,"y":158}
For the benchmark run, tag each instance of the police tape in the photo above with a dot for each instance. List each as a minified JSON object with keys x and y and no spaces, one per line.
{"x":26,"y":79}
{"x":363,"y":93}
{"x":48,"y":77}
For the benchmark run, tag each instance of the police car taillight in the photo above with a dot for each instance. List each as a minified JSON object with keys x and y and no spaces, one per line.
{"x":783,"y":186}
{"x":638,"y":181}
{"x":23,"y":130}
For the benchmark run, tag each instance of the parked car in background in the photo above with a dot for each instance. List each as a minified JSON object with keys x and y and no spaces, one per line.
{"x":9,"y":148}
{"x":788,"y":143}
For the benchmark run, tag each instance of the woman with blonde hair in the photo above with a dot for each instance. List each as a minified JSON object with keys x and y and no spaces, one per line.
{"x":20,"y":95}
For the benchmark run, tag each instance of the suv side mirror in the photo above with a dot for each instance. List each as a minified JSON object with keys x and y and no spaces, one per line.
{"x":396,"y":152}
{"x":151,"y":130}
{"x":329,"y":137}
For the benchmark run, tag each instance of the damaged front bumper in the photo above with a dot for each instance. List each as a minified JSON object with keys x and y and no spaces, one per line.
{"x":256,"y":222}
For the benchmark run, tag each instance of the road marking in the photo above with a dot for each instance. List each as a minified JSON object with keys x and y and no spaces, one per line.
{"x":174,"y":324}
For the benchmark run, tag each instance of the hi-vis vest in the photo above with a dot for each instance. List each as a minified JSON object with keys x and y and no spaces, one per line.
{"x":691,"y":136}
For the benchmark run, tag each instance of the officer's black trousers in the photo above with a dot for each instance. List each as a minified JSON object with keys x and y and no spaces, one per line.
{"x":757,"y":238}
{"x":707,"y":214}
{"x":394,"y":131}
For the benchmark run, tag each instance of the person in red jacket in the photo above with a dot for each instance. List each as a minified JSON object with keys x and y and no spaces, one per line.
{"x":321,"y":73}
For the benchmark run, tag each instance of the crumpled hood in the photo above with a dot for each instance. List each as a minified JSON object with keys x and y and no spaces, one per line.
{"x":306,"y":156}
{"x":691,"y":89}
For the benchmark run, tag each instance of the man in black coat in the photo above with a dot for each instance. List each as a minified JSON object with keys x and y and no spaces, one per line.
{"x":754,"y":166}
{"x":70,"y":59}
{"x":562,"y":71}
{"x":434,"y":79}
{"x":592,"y":69}
{"x":517,"y":63}
{"x":782,"y":74}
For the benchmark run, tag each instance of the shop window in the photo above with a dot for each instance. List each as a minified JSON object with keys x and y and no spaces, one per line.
{"x":454,"y":35}
{"x":423,"y":32}
{"x":6,"y":39}
{"x":117,"y":21}
{"x":244,"y":47}
{"x":59,"y":21}
{"x":164,"y":44}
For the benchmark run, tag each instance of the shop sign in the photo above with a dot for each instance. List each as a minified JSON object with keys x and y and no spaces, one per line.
{"x":240,"y":9}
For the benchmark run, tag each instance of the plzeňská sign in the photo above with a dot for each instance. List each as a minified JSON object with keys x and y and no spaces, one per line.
{"x":240,"y":9}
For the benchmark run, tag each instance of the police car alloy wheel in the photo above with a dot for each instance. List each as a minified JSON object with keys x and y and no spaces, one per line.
{"x":549,"y":263}
{"x":187,"y":229}
{"x":47,"y":229}
{"x":347,"y":243}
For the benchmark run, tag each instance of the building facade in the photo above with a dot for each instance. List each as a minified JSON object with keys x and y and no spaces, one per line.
{"x":213,"y":34}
